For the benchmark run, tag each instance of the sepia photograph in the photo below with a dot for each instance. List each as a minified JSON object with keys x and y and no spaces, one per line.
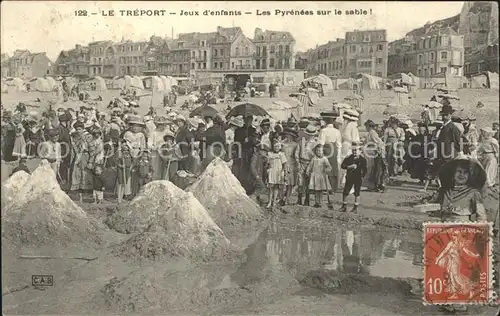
{"x":250,"y":158}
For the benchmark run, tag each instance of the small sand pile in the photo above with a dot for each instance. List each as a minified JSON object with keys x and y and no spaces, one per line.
{"x":42,"y":213}
{"x":166,"y":221}
{"x":222,"y":195}
{"x":12,"y":186}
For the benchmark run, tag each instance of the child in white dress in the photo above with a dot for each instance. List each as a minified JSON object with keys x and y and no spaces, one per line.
{"x":276,"y":173}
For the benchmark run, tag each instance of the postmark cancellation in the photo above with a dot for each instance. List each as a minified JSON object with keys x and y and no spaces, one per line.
{"x":458,"y":263}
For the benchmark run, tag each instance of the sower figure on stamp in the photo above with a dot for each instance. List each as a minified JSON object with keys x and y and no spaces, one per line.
{"x":461,"y":180}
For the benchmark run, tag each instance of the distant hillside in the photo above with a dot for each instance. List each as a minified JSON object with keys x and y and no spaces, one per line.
{"x":479,"y":23}
{"x":439,"y":25}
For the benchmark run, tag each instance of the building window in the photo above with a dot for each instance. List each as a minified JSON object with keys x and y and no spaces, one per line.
{"x":353,"y":38}
{"x":378,"y":74}
{"x":271,"y":63}
{"x":232,"y":65}
{"x":193,"y":66}
{"x":215,"y":53}
{"x":287,"y":48}
{"x":379,"y":61}
{"x":215,"y":65}
{"x":204,"y":65}
{"x":193,"y":54}
{"x":353,"y":48}
{"x":273,"y":49}
{"x":432,"y":56}
{"x":287,"y":63}
{"x":222,"y":52}
{"x":280,"y":49}
{"x":443,"y":70}
{"x":361,"y":49}
{"x":431,"y":71}
{"x":246,"y":50}
{"x":444,"y":55}
{"x":419,"y":59}
{"x":380,"y":47}
{"x":237,"y":51}
{"x":220,"y":65}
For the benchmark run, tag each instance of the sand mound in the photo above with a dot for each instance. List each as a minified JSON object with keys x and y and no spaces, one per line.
{"x":12,"y":186}
{"x":43,"y":214}
{"x":168,"y":221}
{"x":222,"y":195}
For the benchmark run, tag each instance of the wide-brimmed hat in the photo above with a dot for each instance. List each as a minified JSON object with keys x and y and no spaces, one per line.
{"x":289,"y":131}
{"x":370,"y":123}
{"x":168,"y":133}
{"x":488,"y":130}
{"x":65,"y":117}
{"x":446,"y":109}
{"x":237,"y":121}
{"x":311,"y":130}
{"x":351,"y":114}
{"x":53,"y":132}
{"x":471,"y":117}
{"x":304,"y":122}
{"x":180,"y":117}
{"x":477,"y":175}
{"x":148,"y":118}
{"x":135,"y":120}
{"x":160,"y":120}
{"x":193,"y":122}
{"x":331,"y":115}
{"x":33,"y":116}
{"x":265,"y":122}
{"x":408,"y":123}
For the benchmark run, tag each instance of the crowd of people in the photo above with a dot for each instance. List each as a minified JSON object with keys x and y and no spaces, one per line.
{"x":270,"y":159}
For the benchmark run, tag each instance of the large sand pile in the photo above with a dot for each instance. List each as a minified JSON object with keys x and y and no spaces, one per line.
{"x":222,"y":195}
{"x":12,"y":186}
{"x":41,"y":213}
{"x":166,"y":221}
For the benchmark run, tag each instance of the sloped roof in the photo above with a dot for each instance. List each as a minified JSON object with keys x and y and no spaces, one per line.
{"x":192,"y":40}
{"x":451,"y":22}
{"x":229,"y":33}
{"x":280,"y":34}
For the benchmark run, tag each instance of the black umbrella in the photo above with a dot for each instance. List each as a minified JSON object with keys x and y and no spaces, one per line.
{"x":247,"y":109}
{"x":204,"y":111}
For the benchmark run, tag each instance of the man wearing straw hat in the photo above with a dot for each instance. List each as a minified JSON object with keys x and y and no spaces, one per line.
{"x":303,"y":156}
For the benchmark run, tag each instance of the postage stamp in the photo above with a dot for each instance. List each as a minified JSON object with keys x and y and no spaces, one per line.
{"x":458,"y":263}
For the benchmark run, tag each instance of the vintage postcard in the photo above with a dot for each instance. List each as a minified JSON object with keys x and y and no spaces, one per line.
{"x":249,"y":158}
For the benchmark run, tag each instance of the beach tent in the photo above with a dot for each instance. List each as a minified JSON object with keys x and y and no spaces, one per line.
{"x":52,"y":82}
{"x":492,"y":80}
{"x":369,"y":82}
{"x":118,"y":82}
{"x":281,"y":110}
{"x":167,"y":87}
{"x":39,"y":84}
{"x":345,"y":83}
{"x":136,"y":82}
{"x":173,"y":81}
{"x":15,"y":84}
{"x":400,"y":97}
{"x":329,"y":83}
{"x":479,"y":81}
{"x":99,"y":82}
{"x":153,"y":83}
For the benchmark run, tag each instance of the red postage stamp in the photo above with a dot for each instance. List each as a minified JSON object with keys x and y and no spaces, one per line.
{"x":458,"y":265}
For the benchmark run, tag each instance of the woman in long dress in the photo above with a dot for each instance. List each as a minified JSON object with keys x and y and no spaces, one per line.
{"x":136,"y":140}
{"x":80,"y":178}
{"x":488,"y":152}
{"x":451,"y":258}
{"x":393,"y":139}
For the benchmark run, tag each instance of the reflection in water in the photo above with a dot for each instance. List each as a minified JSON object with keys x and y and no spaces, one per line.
{"x":348,"y":251}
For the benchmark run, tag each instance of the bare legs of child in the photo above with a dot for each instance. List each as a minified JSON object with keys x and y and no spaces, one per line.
{"x":288,"y":193}
{"x":119,"y":192}
{"x":273,"y":194}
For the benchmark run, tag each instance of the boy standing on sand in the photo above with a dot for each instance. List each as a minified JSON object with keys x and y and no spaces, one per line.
{"x":355,"y":164}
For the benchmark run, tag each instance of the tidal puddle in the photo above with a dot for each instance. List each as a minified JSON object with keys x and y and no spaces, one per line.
{"x":298,"y":249}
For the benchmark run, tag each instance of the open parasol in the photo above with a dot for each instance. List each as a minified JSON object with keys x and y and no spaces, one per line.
{"x":204,"y":111}
{"x":247,"y":109}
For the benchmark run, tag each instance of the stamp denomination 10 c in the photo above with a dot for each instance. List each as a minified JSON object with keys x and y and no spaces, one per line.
{"x":458,"y":265}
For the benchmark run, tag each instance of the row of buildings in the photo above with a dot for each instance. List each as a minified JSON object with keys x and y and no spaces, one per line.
{"x":226,"y":49}
{"x":359,"y":52}
{"x":462,"y":45}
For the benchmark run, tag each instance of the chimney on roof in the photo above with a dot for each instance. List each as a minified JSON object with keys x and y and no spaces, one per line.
{"x":258,"y":31}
